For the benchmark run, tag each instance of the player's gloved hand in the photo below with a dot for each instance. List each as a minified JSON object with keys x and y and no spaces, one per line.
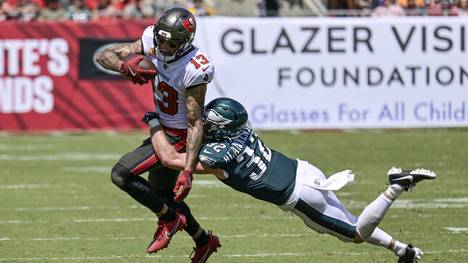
{"x":135,"y":73}
{"x":152,"y":119}
{"x":183,"y":185}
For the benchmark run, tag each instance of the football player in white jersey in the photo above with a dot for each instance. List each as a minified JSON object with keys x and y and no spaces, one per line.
{"x":179,"y":87}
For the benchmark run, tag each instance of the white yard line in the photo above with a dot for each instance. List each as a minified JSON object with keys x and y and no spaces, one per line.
{"x":139,"y":219}
{"x":120,"y":208}
{"x":199,"y":183}
{"x":418,"y":203}
{"x":105,"y":220}
{"x":286,"y":254}
{"x":401,"y":204}
{"x":38,"y":186}
{"x":144,"y":238}
{"x":268,"y":255}
{"x":452,"y":200}
{"x":64,"y":208}
{"x":457,"y":230}
{"x":23,"y":186}
{"x":216,"y":218}
{"x":87,"y":169}
{"x":60,"y":157}
{"x":208,"y":183}
{"x":26,"y":147}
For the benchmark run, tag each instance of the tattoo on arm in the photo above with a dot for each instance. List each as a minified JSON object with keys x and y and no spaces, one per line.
{"x":111,"y":58}
{"x":195,"y":103}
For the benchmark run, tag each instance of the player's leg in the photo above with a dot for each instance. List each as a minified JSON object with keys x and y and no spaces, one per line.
{"x":375,"y":211}
{"x":400,"y":181}
{"x":125,"y":174}
{"x":320,"y":210}
{"x":162,"y":181}
{"x":373,"y":214}
{"x":323,"y":212}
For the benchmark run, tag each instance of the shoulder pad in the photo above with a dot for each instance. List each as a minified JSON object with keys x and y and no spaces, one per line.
{"x":200,"y":70}
{"x":147,"y":40}
{"x":215,"y":154}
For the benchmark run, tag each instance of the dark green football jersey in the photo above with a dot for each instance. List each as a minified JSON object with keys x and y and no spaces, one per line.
{"x":251,"y":167}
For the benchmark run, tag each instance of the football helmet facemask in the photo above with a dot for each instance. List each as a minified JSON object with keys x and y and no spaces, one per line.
{"x":176,"y":26}
{"x":224,"y":118}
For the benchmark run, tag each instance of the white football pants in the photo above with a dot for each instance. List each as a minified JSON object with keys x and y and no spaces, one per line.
{"x":322,"y":211}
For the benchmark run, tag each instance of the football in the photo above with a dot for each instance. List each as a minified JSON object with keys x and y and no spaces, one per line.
{"x":145,"y":63}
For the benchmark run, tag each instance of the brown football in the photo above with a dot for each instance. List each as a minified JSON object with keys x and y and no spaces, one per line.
{"x":145,"y":63}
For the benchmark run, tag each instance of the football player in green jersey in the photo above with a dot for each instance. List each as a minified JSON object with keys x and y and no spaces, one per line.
{"x":239,"y":158}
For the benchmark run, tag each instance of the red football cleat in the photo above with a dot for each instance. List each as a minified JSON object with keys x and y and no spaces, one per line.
{"x":202,"y":253}
{"x":165,"y":231}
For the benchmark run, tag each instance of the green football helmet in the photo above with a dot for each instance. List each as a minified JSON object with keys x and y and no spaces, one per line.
{"x":177,"y":26}
{"x":224,"y":118}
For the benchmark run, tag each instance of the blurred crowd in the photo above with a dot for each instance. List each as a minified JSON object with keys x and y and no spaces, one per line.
{"x":373,"y":7}
{"x":399,"y":7}
{"x":86,"y":10}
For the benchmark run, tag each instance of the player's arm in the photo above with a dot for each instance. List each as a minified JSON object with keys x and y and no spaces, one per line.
{"x":170,"y":157}
{"x":112,"y":58}
{"x":195,"y":103}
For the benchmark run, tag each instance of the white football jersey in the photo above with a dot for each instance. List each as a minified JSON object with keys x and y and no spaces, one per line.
{"x":173,"y":79}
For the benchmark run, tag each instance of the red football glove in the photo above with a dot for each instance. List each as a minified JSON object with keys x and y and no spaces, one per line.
{"x":135,"y":73}
{"x":183,"y":185}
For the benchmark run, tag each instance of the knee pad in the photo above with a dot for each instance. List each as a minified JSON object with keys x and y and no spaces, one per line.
{"x":119,"y":175}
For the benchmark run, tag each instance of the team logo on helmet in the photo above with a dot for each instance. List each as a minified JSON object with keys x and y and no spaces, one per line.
{"x":189,"y":24}
{"x":214,"y":117}
{"x":165,"y":34}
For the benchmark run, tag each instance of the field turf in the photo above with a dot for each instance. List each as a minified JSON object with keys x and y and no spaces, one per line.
{"x":59,"y":205}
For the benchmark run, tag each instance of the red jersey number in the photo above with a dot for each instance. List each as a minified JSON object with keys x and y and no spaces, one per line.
{"x":168,"y":104}
{"x":199,"y":60}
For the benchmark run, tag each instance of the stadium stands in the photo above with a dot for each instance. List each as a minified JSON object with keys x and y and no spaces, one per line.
{"x":85,"y":10}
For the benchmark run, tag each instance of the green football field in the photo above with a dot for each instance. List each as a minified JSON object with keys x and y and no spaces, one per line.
{"x":59,"y":205}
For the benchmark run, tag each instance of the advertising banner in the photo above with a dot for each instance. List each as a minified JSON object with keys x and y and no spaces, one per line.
{"x":49,"y":81}
{"x":304,"y":73}
{"x":342,"y":72}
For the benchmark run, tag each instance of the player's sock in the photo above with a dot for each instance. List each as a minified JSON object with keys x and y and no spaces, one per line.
{"x":399,"y":248}
{"x":372,"y":215}
{"x":192,"y":226}
{"x":201,"y":238}
{"x":380,"y":238}
{"x":393,"y":191}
